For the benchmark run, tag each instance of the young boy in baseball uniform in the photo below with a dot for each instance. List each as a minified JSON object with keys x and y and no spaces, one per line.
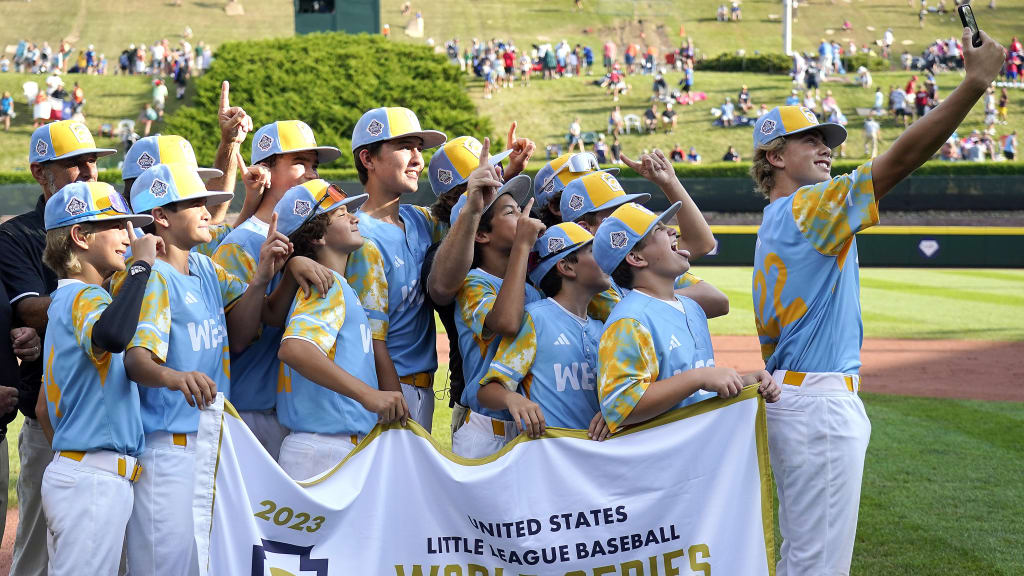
{"x":192,"y":313}
{"x":655,"y":352}
{"x":491,"y":303}
{"x":327,"y":391}
{"x":807,"y":307}
{"x":284,"y":154}
{"x":385,"y":272}
{"x":547,"y":374}
{"x":93,"y":407}
{"x":554,"y":176}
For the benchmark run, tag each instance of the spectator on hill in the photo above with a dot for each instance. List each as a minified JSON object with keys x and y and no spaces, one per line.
{"x":508,"y":58}
{"x":879,"y":101}
{"x":601,"y":150}
{"x":687,"y":81}
{"x":576,"y":135}
{"x":692,"y":157}
{"x":744,"y":99}
{"x":810,"y":103}
{"x":731,"y":155}
{"x":864,"y":77}
{"x":40,"y":110}
{"x":615,"y":122}
{"x":811,"y":78}
{"x":723,"y":14}
{"x":159,"y":96}
{"x":762,"y":110}
{"x":588,"y":59}
{"x":836,"y":116}
{"x":550,"y":63}
{"x":794,"y":98}
{"x":572,"y":64}
{"x":659,"y":88}
{"x":1004,"y":102}
{"x":949,"y":152}
{"x":77,"y":99}
{"x":669,"y":117}
{"x":728,"y":113}
{"x":651,"y":119}
{"x":921,"y":102}
{"x":735,"y":13}
{"x":616,"y":150}
{"x":146,"y":119}
{"x":872,"y":133}
{"x":828,"y":104}
{"x":1010,"y":145}
{"x":631,"y":52}
{"x":610,"y":52}
{"x":7,"y":110}
{"x":898,"y":104}
{"x":677,"y":154}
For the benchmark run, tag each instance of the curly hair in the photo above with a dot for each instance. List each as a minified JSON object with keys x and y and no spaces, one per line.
{"x":304,"y":239}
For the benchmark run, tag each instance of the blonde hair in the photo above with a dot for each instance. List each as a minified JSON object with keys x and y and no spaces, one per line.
{"x":60,"y":253}
{"x":761,"y":170}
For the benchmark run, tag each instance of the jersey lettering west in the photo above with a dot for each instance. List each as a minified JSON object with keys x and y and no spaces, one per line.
{"x":646,"y":340}
{"x":254,"y":371}
{"x":806,"y":282}
{"x":552,"y":361}
{"x":91,"y":402}
{"x":478,"y":345}
{"x":385,"y":273}
{"x":183,"y":324}
{"x":340,"y":329}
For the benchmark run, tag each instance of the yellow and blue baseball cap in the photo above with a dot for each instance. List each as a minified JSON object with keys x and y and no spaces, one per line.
{"x":152,"y":150}
{"x":789,"y":120}
{"x":63,"y":139}
{"x":286,"y":136}
{"x":518,"y":187}
{"x":556,"y":243}
{"x":593,"y":192}
{"x":168,"y":183}
{"x":302,"y":203}
{"x":617,"y":235}
{"x":89,"y":202}
{"x":556,"y":174}
{"x":381,"y":124}
{"x":452,"y":164}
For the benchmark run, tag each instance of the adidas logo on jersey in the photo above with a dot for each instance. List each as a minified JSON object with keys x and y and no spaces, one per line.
{"x":673,"y":343}
{"x":561,"y":340}
{"x":399,"y":262}
{"x":190,"y":298}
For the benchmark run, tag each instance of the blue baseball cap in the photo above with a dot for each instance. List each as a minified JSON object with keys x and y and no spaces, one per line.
{"x":556,"y":174}
{"x":620,"y":232}
{"x":789,"y":120}
{"x":382,"y":124}
{"x":304,"y":202}
{"x":168,"y":183}
{"x":89,"y":202}
{"x":152,"y":150}
{"x":593,"y":192}
{"x":453,"y":163}
{"x":63,"y":139}
{"x":556,"y":243}
{"x":518,"y":187}
{"x":287,"y":136}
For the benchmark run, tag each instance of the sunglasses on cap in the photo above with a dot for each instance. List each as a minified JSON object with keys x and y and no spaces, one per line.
{"x":333,"y":192}
{"x":579,"y":162}
{"x":117,"y":206}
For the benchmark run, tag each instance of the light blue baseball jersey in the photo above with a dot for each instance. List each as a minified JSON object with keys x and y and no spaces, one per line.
{"x":183,"y":324}
{"x":806,"y":284}
{"x":254,"y":371}
{"x":385,"y":273}
{"x":601,"y":306}
{"x":92,"y":404}
{"x":478,"y":344}
{"x":552,"y":361}
{"x":646,"y":340}
{"x":338,"y":327}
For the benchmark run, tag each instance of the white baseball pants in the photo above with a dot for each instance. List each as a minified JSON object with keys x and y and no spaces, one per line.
{"x":305,"y":455}
{"x":482,"y":436}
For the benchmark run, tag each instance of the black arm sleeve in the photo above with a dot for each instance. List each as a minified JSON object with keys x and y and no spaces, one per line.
{"x":116,"y":326}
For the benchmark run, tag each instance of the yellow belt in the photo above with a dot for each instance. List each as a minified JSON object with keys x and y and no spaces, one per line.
{"x":419,"y":380}
{"x":797,"y":378}
{"x":122,"y":464}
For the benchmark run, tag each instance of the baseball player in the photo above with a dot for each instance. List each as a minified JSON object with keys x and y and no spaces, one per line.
{"x":385,"y":272}
{"x":546,"y":375}
{"x":284,"y":154}
{"x":807,"y":307}
{"x":553,"y":177}
{"x":327,"y":390}
{"x":193,"y":310}
{"x":93,"y":408}
{"x":655,"y":352}
{"x":589,"y":199}
{"x":491,"y":304}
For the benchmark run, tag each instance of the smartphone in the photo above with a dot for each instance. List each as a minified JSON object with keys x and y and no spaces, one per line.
{"x":967,"y":17}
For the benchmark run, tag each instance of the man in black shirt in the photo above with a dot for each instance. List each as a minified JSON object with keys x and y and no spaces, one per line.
{"x":59,"y":153}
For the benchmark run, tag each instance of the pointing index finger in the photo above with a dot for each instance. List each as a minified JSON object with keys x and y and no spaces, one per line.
{"x":485,"y":152}
{"x":241,"y":163}
{"x":512,"y":135}
{"x":131,"y":230}
{"x":224,"y":88}
{"x":273,"y":226}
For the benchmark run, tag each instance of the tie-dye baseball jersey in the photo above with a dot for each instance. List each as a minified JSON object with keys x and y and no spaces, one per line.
{"x":601,"y":306}
{"x":183,"y":324}
{"x":806,"y":284}
{"x":478,"y":345}
{"x":337,"y":325}
{"x":254,"y":371}
{"x":92,"y":404}
{"x":646,"y":340}
{"x":385,"y":273}
{"x":552,"y":361}
{"x":219,"y":233}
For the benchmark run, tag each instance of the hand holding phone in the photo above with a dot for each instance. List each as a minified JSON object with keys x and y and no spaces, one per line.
{"x":967,"y":18}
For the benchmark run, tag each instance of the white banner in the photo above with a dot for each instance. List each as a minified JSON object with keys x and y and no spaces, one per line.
{"x":684,"y":494}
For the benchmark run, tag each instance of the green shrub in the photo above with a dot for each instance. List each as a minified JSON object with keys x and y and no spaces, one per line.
{"x":731,"y":62}
{"x":328,"y":81}
{"x":873,"y":63}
